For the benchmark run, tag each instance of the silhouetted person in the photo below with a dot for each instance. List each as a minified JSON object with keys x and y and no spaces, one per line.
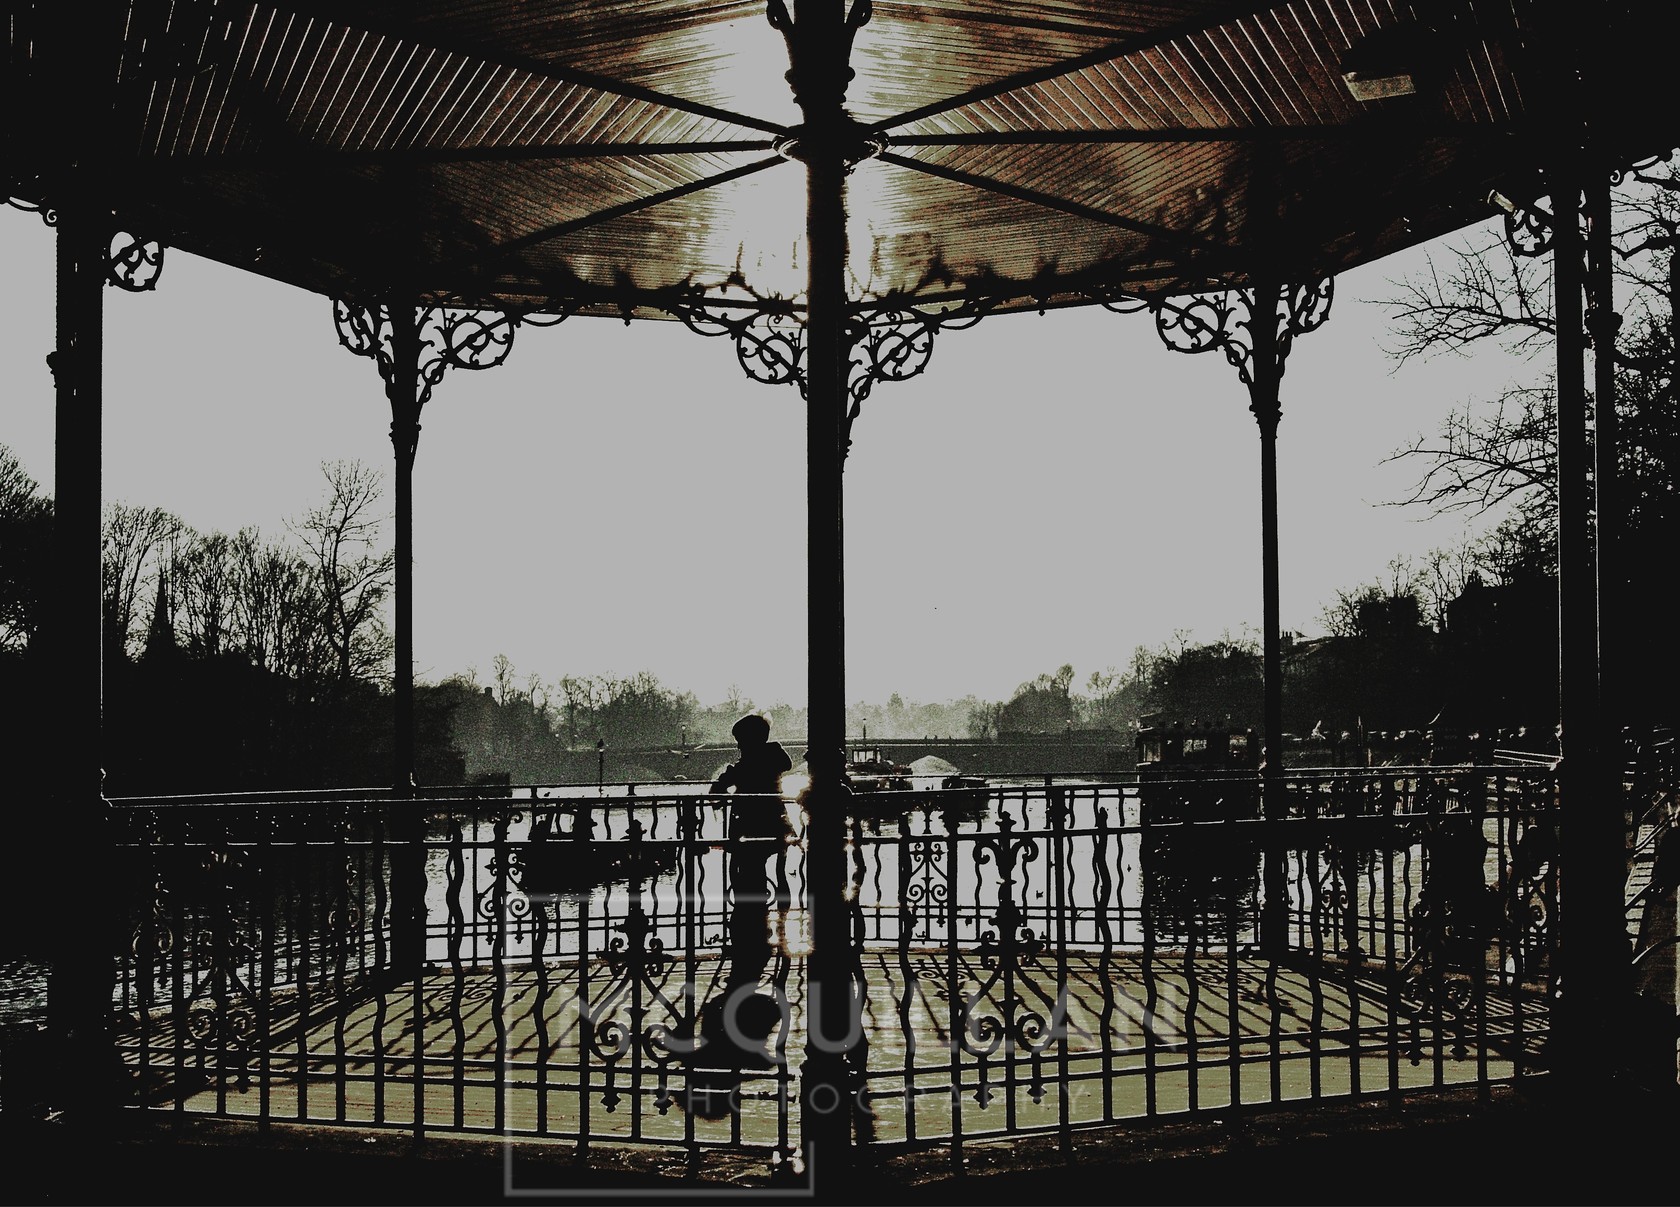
{"x":758,"y":831}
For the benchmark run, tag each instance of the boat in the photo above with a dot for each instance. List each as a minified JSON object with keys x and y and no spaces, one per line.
{"x":870,"y":770}
{"x":563,"y":863}
{"x":1197,"y":772}
{"x":1196,"y":875}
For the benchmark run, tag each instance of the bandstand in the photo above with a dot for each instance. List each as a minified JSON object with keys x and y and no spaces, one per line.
{"x":828,"y":188}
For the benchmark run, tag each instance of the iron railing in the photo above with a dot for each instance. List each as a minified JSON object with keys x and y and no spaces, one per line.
{"x":1035,"y":959}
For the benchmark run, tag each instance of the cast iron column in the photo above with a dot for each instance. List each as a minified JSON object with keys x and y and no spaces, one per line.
{"x":81,"y":972}
{"x":1593,"y":951}
{"x":1602,"y":325}
{"x":819,"y":38}
{"x":403,"y":388}
{"x":1268,"y":411}
{"x":80,"y":52}
{"x":1255,"y":328}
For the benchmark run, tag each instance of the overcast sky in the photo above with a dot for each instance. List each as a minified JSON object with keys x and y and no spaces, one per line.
{"x":1054,"y":489}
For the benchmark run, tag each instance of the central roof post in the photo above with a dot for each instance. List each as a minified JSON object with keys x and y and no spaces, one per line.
{"x":819,"y":35}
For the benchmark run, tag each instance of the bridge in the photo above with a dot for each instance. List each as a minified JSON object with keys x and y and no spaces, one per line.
{"x":1081,"y":753}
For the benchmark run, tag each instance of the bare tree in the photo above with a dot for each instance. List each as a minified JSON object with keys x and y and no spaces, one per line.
{"x":355,"y":575}
{"x":277,"y":610}
{"x":205,"y":582}
{"x":135,"y":547}
{"x":1504,"y":450}
{"x":501,"y":670}
{"x":25,"y":534}
{"x":1490,"y":453}
{"x":1368,"y":609}
{"x":582,"y":696}
{"x":1484,"y":293}
{"x":1442,"y":578}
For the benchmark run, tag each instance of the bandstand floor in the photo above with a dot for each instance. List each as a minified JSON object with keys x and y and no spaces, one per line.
{"x":1084,"y":1039}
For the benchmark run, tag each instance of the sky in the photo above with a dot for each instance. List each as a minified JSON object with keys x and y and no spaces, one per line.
{"x":1054,"y":489}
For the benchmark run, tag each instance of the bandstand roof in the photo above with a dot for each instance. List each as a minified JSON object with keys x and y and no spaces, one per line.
{"x":604,"y":154}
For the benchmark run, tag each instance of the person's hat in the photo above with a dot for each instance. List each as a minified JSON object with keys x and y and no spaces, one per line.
{"x":753,"y":726}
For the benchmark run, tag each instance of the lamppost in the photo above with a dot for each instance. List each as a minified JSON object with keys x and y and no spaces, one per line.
{"x":601,"y":766}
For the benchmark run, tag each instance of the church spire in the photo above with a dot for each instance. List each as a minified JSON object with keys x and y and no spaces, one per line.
{"x":160,"y":637}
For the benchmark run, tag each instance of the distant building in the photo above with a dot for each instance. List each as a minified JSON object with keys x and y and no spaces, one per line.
{"x":1501,"y":646}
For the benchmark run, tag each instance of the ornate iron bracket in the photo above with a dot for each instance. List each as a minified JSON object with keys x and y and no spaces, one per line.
{"x":450,"y":337}
{"x":1638,"y":168}
{"x":769,"y":340}
{"x":1223,"y":319}
{"x":895,"y":343}
{"x":1528,"y":227}
{"x":49,"y":215}
{"x":135,"y":263}
{"x":891,"y":343}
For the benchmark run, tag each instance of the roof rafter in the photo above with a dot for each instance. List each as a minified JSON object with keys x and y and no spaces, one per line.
{"x":573,"y":225}
{"x":1190,"y":244}
{"x":497,"y":57}
{"x":1038,"y":75}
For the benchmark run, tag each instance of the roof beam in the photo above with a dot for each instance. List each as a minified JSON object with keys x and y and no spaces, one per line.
{"x":502,"y":251}
{"x":1114,"y":50}
{"x":1209,"y":134}
{"x":493,"y":56}
{"x":1189,"y":244}
{"x":425,"y":156}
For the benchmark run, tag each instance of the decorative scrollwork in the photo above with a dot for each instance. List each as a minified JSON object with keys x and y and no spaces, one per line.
{"x":1009,"y":949}
{"x":771,"y":349}
{"x":1307,"y":308}
{"x":895,"y":343}
{"x":769,"y":338}
{"x":891,"y":342}
{"x":1528,"y":226}
{"x":1206,"y":322}
{"x":222,"y":1025}
{"x":1528,"y":232}
{"x":475,"y":339}
{"x":1637,"y":169}
{"x":506,"y":893}
{"x":634,"y":1014}
{"x":1222,"y":319}
{"x":449,"y":338}
{"x":48,"y":212}
{"x":610,"y":1040}
{"x":134,"y":263}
